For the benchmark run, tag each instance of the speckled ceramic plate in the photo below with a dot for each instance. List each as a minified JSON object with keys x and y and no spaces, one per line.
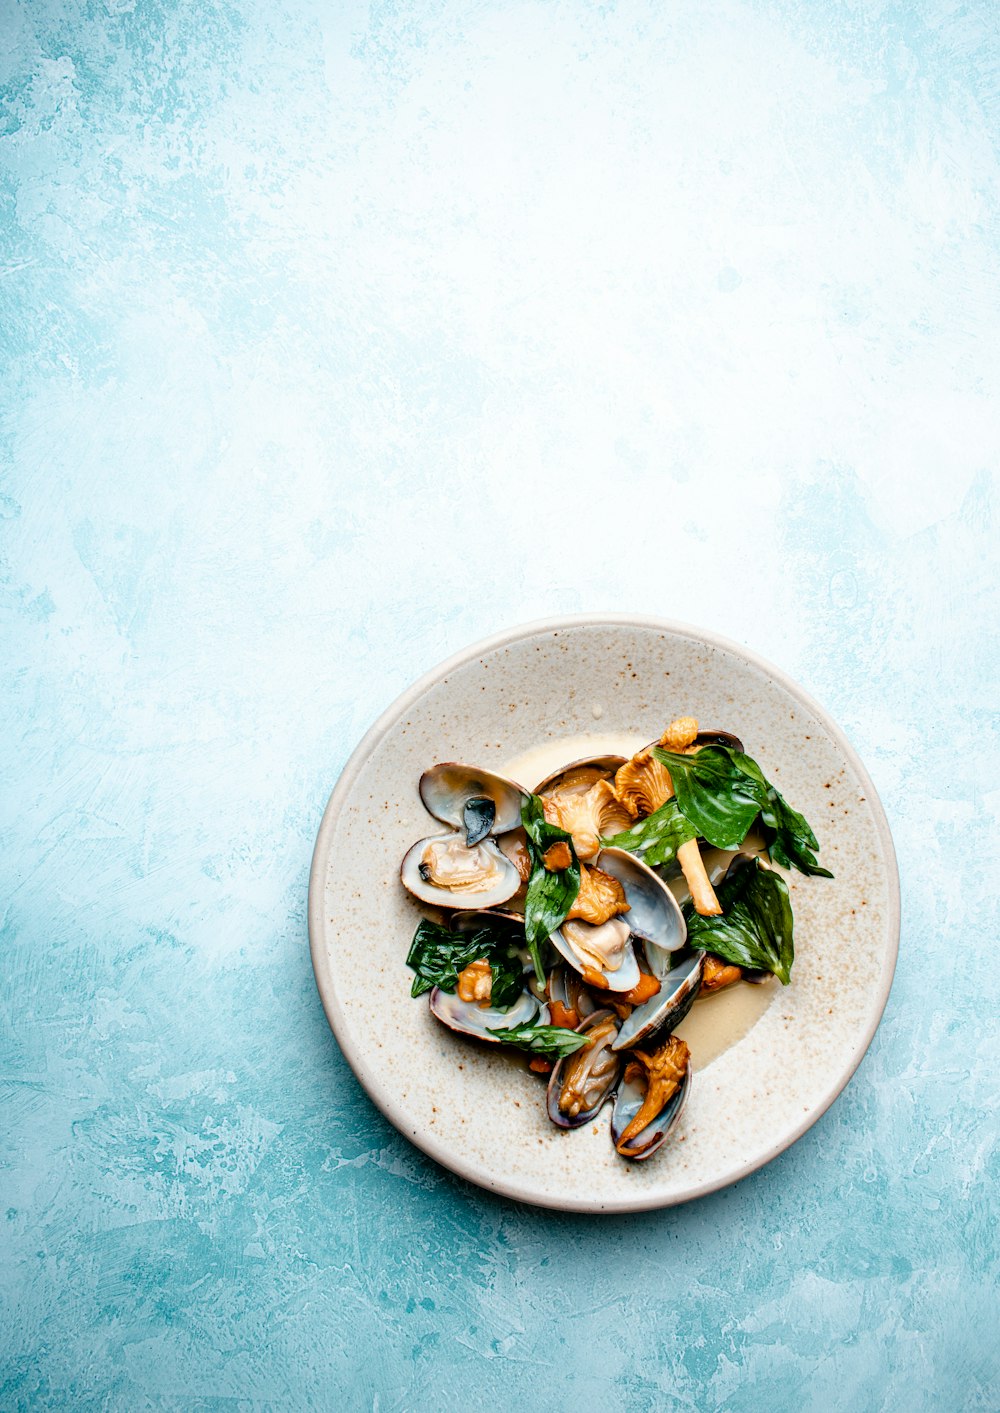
{"x":481,"y":1113}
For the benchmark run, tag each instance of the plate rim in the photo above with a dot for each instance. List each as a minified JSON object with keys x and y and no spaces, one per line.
{"x":428,"y":1143}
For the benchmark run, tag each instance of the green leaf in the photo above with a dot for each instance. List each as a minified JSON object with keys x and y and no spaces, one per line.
{"x":720,"y":800}
{"x":508,"y":978}
{"x":542,"y":1039}
{"x":658,"y":837}
{"x":755,"y":929}
{"x":722,"y":791}
{"x":438,"y":956}
{"x":550,"y":894}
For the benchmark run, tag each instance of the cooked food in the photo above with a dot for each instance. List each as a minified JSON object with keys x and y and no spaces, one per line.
{"x":566,"y":939}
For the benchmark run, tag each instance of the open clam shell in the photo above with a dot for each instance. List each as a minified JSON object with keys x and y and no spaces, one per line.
{"x":654,"y":914}
{"x":719,"y":738}
{"x":580,"y":798}
{"x":622,"y":978}
{"x":678,"y":990}
{"x":603,"y":768}
{"x":500,"y":879}
{"x":472,"y":1018}
{"x":566,"y":987}
{"x":475,"y":801}
{"x":653,"y":917}
{"x":592,"y":1073}
{"x":628,"y":1102}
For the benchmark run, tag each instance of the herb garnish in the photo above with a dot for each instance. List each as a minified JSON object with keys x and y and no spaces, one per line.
{"x":542,"y":1039}
{"x":755,"y":929}
{"x":721,"y":792}
{"x":550,"y":894}
{"x":438,"y":955}
{"x":658,"y":837}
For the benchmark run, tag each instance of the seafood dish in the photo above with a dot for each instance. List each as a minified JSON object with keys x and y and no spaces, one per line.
{"x":579,"y":921}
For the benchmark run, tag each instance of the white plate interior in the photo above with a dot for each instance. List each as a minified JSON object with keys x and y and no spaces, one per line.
{"x":478,"y":1112}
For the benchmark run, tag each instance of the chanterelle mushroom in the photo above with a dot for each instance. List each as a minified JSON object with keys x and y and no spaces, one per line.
{"x":585,"y":805}
{"x":600,"y":898}
{"x":718,"y":973}
{"x":643,"y":784}
{"x":680,"y":734}
{"x":475,"y":982}
{"x":662,"y":1072}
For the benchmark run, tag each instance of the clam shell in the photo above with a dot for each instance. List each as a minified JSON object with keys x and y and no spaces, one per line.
{"x":628,"y":1102}
{"x":585,"y":1116}
{"x":446,"y":789}
{"x":606,"y":764}
{"x":470,"y":1018}
{"x":465,"y":899}
{"x":678,"y":989}
{"x":654,"y":914}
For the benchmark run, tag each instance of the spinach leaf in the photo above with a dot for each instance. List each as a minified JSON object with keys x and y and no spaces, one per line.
{"x":542,"y":1039}
{"x":658,"y":837}
{"x":720,"y":800}
{"x":794,"y":841}
{"x":722,"y":791}
{"x":550,"y":894}
{"x":508,"y":977}
{"x":438,"y":955}
{"x":755,"y":929}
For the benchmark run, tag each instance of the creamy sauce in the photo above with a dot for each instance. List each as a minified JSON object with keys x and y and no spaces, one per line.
{"x":531,"y":767}
{"x":717,"y":1022}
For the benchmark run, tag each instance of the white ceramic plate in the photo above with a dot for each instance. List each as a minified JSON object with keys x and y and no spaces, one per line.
{"x":481,"y":1113}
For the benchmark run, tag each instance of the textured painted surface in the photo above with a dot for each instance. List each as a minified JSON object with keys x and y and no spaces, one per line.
{"x":308,"y":312}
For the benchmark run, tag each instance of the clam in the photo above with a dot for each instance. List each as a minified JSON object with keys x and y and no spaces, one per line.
{"x":604,"y":954}
{"x":473,"y":800}
{"x":580,"y":799}
{"x":465,"y":868}
{"x":582,"y":1083}
{"x":475,"y":1019}
{"x":658,"y":1084}
{"x":679,"y":987}
{"x":446,"y":873}
{"x":567,"y":992}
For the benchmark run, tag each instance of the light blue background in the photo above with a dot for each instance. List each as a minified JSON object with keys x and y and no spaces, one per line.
{"x":338,"y":336}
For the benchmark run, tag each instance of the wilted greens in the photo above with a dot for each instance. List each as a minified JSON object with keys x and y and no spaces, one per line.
{"x":722,"y":791}
{"x":755,"y":929}
{"x":438,"y":956}
{"x":542,"y":1039}
{"x":551,"y":894}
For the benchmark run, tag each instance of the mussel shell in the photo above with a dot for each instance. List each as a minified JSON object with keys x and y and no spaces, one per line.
{"x":628,"y":1102}
{"x":665,"y":1010}
{"x":465,"y":899}
{"x":654,"y":914}
{"x":607,"y":764}
{"x":585,"y":1116}
{"x":446,"y":788}
{"x":470,"y":1018}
